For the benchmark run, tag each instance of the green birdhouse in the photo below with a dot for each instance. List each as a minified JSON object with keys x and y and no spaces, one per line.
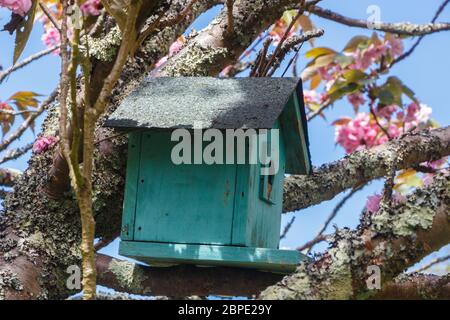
{"x":206,"y":163}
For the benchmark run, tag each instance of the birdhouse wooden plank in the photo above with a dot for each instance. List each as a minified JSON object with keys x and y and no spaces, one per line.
{"x":222,"y":213}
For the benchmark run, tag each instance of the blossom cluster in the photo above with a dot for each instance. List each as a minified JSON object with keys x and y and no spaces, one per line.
{"x":367,"y":130}
{"x":19,"y":7}
{"x":43,"y":144}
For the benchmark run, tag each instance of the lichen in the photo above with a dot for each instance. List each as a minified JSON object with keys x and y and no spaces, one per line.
{"x":9,"y":279}
{"x":129,"y":276}
{"x":195,"y":61}
{"x":417,"y":213}
{"x":104,"y":48}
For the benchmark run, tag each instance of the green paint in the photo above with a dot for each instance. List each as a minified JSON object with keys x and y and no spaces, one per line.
{"x":283,"y":261}
{"x":220,"y":214}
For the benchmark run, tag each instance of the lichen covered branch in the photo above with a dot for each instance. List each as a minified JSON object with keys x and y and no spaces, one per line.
{"x":392,"y":239}
{"x":362,"y":166}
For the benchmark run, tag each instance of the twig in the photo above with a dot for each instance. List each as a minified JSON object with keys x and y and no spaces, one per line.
{"x":16,"y":153}
{"x":25,"y":62}
{"x":402,"y":28}
{"x":50,"y":16}
{"x":433,"y":263}
{"x":333,"y":215}
{"x":160,"y":24}
{"x":416,"y":44}
{"x":110,"y":137}
{"x":372,"y":112}
{"x":283,"y":38}
{"x":287,"y":228}
{"x":313,"y":242}
{"x":230,"y":27}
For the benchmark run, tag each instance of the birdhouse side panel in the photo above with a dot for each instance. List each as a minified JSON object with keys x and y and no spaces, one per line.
{"x":293,"y":132}
{"x":257,"y":221}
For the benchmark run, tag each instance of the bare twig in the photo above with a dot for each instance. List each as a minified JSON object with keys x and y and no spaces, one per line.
{"x":433,"y":263}
{"x":283,"y":38}
{"x":313,"y":242}
{"x":230,"y":27}
{"x":25,"y":62}
{"x":377,"y":121}
{"x":416,"y":44}
{"x":50,"y":16}
{"x":287,"y":228}
{"x":401,"y":28}
{"x":333,"y":214}
{"x":16,"y":153}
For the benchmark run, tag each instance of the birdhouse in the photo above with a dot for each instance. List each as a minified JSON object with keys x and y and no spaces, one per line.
{"x":194,"y":193}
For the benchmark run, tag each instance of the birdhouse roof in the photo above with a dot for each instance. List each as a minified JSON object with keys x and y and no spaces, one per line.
{"x":208,"y":102}
{"x":222,"y":103}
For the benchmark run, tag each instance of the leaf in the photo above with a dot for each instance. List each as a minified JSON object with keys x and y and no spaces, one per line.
{"x":337,"y":91}
{"x":319,"y":62}
{"x":23,"y":100}
{"x":23,"y":31}
{"x":405,"y":174}
{"x":341,"y":121}
{"x":343,"y":60}
{"x":355,"y":42}
{"x":408,"y":178}
{"x":315,"y":81}
{"x":354,"y":75}
{"x":317,"y":52}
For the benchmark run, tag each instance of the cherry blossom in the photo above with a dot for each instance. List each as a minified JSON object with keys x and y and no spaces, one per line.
{"x":19,"y":7}
{"x":373,"y":203}
{"x":173,"y":49}
{"x":51,"y":38}
{"x":91,"y":7}
{"x":42,"y":144}
{"x":356,"y":99}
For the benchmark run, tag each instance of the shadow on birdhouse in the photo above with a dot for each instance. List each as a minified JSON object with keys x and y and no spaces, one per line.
{"x":206,"y":164}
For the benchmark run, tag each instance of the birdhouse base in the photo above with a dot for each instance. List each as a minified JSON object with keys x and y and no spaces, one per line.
{"x":157,"y":253}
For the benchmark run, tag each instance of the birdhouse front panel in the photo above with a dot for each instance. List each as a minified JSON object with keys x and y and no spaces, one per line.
{"x":185,"y":203}
{"x":210,"y":213}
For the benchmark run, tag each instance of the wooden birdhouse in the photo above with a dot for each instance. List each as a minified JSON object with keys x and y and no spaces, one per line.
{"x":224,"y":213}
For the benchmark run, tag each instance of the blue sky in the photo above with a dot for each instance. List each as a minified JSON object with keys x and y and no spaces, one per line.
{"x":426,"y":72}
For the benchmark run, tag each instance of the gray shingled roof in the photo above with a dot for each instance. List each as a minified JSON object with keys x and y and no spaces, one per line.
{"x":168,"y":103}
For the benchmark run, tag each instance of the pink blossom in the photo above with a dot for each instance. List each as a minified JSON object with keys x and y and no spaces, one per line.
{"x":19,"y":7}
{"x":42,"y":144}
{"x":176,"y":46}
{"x":373,"y":203}
{"x":173,"y":49}
{"x":91,"y":7}
{"x":386,"y":111}
{"x":356,"y":99}
{"x":51,"y":38}
{"x":396,"y":45}
{"x":364,"y":58}
{"x":357,"y":133}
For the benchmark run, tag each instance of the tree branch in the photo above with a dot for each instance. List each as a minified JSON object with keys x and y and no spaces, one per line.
{"x":362,"y":166}
{"x":416,"y":287}
{"x":183,"y":280}
{"x":400,"y":28}
{"x":393,"y":239}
